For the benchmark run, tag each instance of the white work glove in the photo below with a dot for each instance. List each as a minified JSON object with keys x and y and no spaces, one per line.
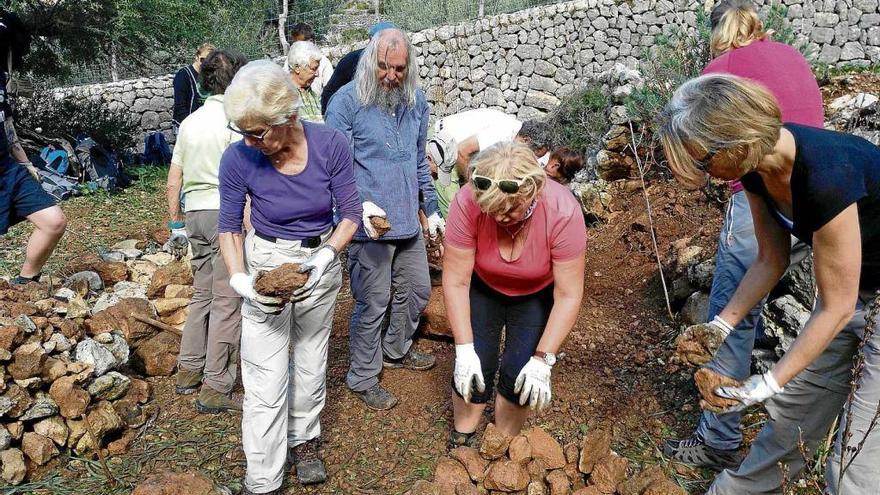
{"x":436,"y":225}
{"x":243,"y":285}
{"x":533,"y":384}
{"x":372,"y":210}
{"x":698,"y":343}
{"x":316,"y":265}
{"x":757,"y":388}
{"x":178,"y":242}
{"x":468,"y":372}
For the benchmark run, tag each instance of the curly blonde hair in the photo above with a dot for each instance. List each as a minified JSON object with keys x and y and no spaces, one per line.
{"x":507,"y":161}
{"x":735,"y":24}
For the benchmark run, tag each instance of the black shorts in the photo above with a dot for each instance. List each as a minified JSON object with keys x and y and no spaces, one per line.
{"x":523,"y":319}
{"x":20,"y":195}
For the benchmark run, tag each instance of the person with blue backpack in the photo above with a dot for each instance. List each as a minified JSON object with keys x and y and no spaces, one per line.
{"x":21,"y":196}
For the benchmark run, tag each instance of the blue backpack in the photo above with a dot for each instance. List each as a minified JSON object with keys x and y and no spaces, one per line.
{"x":156,"y":149}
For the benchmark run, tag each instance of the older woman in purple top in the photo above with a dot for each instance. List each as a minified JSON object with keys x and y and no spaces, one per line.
{"x":293,"y":172}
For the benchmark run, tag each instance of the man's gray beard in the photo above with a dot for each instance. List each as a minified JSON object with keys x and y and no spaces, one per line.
{"x":389,"y":99}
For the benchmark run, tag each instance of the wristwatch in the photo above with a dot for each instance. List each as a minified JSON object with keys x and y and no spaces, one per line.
{"x":548,"y":357}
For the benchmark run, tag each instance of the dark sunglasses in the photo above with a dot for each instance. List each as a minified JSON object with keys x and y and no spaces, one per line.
{"x":508,"y":186}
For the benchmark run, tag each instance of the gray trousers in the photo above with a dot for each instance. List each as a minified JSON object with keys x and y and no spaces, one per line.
{"x":211,"y":335}
{"x":284,"y":365}
{"x":377,"y":268}
{"x":809,"y":404}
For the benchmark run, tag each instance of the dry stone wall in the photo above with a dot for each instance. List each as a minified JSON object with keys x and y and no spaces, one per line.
{"x":526,"y":61}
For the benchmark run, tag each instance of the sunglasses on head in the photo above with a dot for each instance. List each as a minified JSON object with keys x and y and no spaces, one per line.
{"x":509,"y":186}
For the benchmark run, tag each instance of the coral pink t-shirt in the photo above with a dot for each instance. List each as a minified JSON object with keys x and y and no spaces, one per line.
{"x":782,"y":70}
{"x":557,"y":233}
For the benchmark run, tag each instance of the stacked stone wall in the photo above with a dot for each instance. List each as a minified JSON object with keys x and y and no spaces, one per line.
{"x":525,"y":62}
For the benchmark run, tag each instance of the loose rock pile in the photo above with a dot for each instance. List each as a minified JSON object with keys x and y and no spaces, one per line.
{"x":534,"y":463}
{"x":69,"y":356}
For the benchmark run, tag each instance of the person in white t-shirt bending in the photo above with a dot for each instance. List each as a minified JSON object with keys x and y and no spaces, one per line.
{"x":459,"y":136}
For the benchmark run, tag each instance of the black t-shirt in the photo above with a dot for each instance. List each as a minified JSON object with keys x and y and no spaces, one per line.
{"x":5,"y":113}
{"x":831,"y":171}
{"x":342,"y":75}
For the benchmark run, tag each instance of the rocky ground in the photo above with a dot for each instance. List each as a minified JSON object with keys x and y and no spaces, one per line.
{"x":614,"y":379}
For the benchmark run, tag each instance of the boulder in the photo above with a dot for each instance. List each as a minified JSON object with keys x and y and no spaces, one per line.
{"x":38,"y":448}
{"x":449,"y":473}
{"x":109,"y":271}
{"x":72,"y":400}
{"x":609,"y":472}
{"x":43,"y":407}
{"x":506,"y":476}
{"x":472,"y":462}
{"x":14,"y":469}
{"x":280,"y":282}
{"x":28,"y":361}
{"x":189,"y":483}
{"x":10,"y":336}
{"x":695,"y":309}
{"x":98,"y":355}
{"x":102,"y":420}
{"x":434,"y":320}
{"x":559,"y":482}
{"x":54,"y":429}
{"x":537,"y":471}
{"x":158,"y":356}
{"x":174,"y":291}
{"x":111,"y":386}
{"x":177,"y":273}
{"x":595,"y":446}
{"x":546,"y":448}
{"x":15,"y":401}
{"x":494,"y":444}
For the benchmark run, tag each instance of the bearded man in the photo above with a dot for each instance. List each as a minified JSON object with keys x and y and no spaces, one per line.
{"x":385,"y":117}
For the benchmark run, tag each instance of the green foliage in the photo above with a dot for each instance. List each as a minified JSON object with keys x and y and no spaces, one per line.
{"x":71,"y":116}
{"x":670,"y":62}
{"x":580,"y":121}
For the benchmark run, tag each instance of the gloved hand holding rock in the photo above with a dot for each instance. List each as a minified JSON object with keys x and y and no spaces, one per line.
{"x":315,"y":266}
{"x":698,"y":343}
{"x":243,"y":285}
{"x":372,"y":210}
{"x":757,"y":388}
{"x":436,"y":225}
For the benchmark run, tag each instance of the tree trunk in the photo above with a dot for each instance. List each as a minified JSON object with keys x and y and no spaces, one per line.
{"x":282,"y":27}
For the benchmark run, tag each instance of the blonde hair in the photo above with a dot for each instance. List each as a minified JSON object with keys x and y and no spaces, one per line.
{"x":205,"y":49}
{"x":735,"y":24}
{"x":261,"y":93}
{"x":510,"y":161}
{"x":718,"y":112}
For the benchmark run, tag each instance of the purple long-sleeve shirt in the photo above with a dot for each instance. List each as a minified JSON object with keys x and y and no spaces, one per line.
{"x":293,"y":207}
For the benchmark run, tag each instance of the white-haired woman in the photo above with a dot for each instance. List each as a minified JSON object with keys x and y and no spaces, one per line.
{"x":515,"y":260}
{"x":824,"y":188}
{"x":293,"y":172}
{"x":303,"y":62}
{"x":743,"y":48}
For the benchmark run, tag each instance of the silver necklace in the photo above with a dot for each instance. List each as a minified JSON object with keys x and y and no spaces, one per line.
{"x":523,"y":222}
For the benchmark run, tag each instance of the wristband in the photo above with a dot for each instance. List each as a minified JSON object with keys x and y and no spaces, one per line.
{"x":176,"y":224}
{"x":772,"y":383}
{"x":331,"y":248}
{"x":723,"y":325}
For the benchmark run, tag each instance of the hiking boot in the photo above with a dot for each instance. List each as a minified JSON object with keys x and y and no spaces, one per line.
{"x":376,"y":398}
{"x":19,"y":280}
{"x":306,"y":458}
{"x":413,"y":360}
{"x":187,"y":382}
{"x":457,"y":439}
{"x":694,"y":452}
{"x":212,"y":402}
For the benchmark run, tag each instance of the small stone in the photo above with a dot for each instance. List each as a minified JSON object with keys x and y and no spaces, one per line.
{"x":92,"y":279}
{"x":174,"y":291}
{"x":131,"y":412}
{"x":121,"y":445}
{"x":571,"y":453}
{"x":280,"y":282}
{"x":139,"y":391}
{"x":14,"y":469}
{"x":595,"y":446}
{"x":466,"y":489}
{"x":61,"y":343}
{"x":43,"y":407}
{"x":449,"y":473}
{"x":91,"y":352}
{"x":10,"y":335}
{"x":537,"y":470}
{"x":506,"y":476}
{"x":72,"y":400}
{"x":494,"y":444}
{"x":159,"y":259}
{"x":53,"y":428}
{"x":178,"y":483}
{"x":536,"y":488}
{"x":111,"y":386}
{"x":5,"y":438}
{"x":520,"y":450}
{"x":559,"y":482}
{"x":15,"y":401}
{"x":664,"y":487}
{"x":472,"y":462}
{"x":177,"y":273}
{"x":77,"y":308}
{"x":638,"y":483}
{"x":25,"y":323}
{"x":546,"y":448}
{"x":609,"y":472}
{"x":16,"y":429}
{"x":158,"y":356}
{"x":30,"y":383}
{"x":422,"y":487}
{"x":381,"y":225}
{"x":103,"y":420}
{"x":103,"y":338}
{"x":166,"y":306}
{"x":707,"y":382}
{"x":38,"y":448}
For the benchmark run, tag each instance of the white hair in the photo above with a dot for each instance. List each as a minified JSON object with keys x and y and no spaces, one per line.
{"x":368,"y":85}
{"x":302,"y":53}
{"x":261,"y":93}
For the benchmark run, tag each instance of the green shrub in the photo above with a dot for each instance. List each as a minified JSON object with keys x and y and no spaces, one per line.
{"x":580,"y":120}
{"x":71,"y":116}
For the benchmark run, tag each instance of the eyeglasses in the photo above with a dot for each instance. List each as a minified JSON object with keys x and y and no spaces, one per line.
{"x":256,"y":137}
{"x":509,"y":186}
